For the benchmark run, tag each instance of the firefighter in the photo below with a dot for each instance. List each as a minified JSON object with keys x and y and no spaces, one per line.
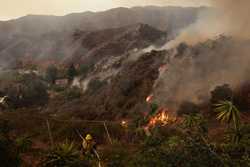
{"x":89,"y":145}
{"x":3,"y":102}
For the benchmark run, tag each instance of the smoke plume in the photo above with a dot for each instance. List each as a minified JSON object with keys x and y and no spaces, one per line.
{"x":234,"y":16}
{"x":227,"y":17}
{"x":192,"y":74}
{"x":207,"y":61}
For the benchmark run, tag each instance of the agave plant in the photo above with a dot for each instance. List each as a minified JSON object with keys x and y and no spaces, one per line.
{"x":195,"y":122}
{"x":63,"y":155}
{"x":228,"y":112}
{"x":191,"y":120}
{"x":23,"y":144}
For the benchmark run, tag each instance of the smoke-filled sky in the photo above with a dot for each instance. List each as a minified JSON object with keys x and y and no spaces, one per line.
{"x":16,"y":8}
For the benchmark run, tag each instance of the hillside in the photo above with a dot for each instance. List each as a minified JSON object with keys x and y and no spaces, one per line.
{"x":88,"y":90}
{"x":35,"y":36}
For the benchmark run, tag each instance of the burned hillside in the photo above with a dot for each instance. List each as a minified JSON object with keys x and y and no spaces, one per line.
{"x":124,"y":94}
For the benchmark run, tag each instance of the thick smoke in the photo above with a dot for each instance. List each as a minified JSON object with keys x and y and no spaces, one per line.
{"x":234,"y":16}
{"x":210,"y":61}
{"x":191,"y":75}
{"x":228,"y":17}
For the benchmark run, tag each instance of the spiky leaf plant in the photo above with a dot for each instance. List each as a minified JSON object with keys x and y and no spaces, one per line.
{"x":63,"y":155}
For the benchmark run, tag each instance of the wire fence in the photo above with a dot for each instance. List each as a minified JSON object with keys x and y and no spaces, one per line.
{"x":52,"y":130}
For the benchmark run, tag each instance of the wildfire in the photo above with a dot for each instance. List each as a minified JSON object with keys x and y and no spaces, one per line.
{"x":124,"y":123}
{"x":162,"y":118}
{"x":149,"y":98}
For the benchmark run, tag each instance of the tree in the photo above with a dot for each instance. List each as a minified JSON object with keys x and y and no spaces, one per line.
{"x":51,"y":74}
{"x":25,"y":90}
{"x":84,"y":69}
{"x":228,"y":112}
{"x":71,"y":73}
{"x":221,"y":93}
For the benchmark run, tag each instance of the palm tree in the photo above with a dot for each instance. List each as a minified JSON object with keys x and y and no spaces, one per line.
{"x":228,"y":112}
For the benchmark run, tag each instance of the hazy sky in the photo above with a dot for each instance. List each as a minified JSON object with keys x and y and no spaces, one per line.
{"x":16,"y":8}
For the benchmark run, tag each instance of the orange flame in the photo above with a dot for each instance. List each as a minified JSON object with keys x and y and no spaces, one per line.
{"x":124,"y":124}
{"x":162,"y":118}
{"x":149,"y":98}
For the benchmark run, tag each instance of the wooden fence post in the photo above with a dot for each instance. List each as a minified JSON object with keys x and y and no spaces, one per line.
{"x":50,"y":134}
{"x":106,"y":129}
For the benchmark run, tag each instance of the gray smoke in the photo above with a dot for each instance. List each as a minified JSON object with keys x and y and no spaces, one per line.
{"x":228,"y":17}
{"x":207,"y":61}
{"x":234,"y":17}
{"x":191,"y":76}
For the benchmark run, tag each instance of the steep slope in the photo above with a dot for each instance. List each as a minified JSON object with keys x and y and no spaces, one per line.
{"x":51,"y":36}
{"x":185,"y":73}
{"x":116,"y":42}
{"x":121,"y":95}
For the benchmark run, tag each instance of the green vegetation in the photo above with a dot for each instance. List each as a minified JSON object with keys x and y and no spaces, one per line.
{"x":227,"y":112}
{"x":198,"y":137}
{"x":72,"y":93}
{"x":71,"y":72}
{"x":9,"y":155}
{"x":24,"y":90}
{"x":51,"y":74}
{"x":63,"y":155}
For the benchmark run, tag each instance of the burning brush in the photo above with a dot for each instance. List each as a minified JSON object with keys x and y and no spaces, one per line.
{"x":162,"y":118}
{"x":157,"y":116}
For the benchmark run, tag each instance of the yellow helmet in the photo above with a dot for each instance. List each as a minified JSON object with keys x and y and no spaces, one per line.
{"x":88,"y":137}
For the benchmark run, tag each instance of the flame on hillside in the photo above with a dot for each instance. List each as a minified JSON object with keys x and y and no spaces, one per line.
{"x":162,"y":118}
{"x":149,"y":98}
{"x":124,"y":123}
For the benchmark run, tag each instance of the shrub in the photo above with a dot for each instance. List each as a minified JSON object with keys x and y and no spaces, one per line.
{"x":25,"y":90}
{"x":116,"y":155}
{"x":72,"y":93}
{"x":176,"y":151}
{"x":23,"y":144}
{"x":221,"y":93}
{"x":71,"y":72}
{"x":95,"y":84}
{"x":64,"y":155}
{"x":9,"y":155}
{"x":51,"y":74}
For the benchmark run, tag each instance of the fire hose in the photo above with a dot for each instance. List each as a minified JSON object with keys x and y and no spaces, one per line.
{"x":95,"y":151}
